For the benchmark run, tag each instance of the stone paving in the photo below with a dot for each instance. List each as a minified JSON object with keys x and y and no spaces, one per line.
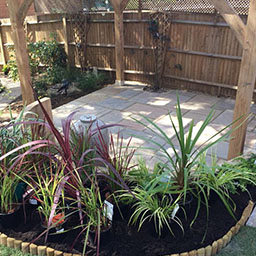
{"x":13,"y":91}
{"x":123,"y":104}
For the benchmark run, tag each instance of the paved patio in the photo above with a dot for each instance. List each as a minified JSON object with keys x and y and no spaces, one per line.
{"x":120,"y":104}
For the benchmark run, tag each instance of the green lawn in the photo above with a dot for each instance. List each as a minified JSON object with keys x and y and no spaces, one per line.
{"x":4,"y":251}
{"x":243,"y":244}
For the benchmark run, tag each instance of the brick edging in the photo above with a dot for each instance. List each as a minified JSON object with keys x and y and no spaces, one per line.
{"x":209,"y":250}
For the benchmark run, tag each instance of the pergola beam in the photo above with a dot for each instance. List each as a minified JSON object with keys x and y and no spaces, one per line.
{"x":232,"y":18}
{"x":246,"y":35}
{"x":17,"y":12}
{"x":246,"y":85}
{"x":119,"y":6}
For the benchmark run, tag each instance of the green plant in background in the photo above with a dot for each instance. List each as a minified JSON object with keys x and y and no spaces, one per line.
{"x":2,"y":87}
{"x":13,"y":69}
{"x":90,"y":81}
{"x":6,"y":69}
{"x":47,"y":53}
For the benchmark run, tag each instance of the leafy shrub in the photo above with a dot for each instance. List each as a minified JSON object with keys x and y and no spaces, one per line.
{"x":90,"y":81}
{"x":48,"y":53}
{"x":47,"y":58}
{"x":5,"y":69}
{"x":2,"y":87}
{"x":13,"y":69}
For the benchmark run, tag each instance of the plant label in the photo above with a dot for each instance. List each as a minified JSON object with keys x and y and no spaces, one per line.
{"x":108,"y":210}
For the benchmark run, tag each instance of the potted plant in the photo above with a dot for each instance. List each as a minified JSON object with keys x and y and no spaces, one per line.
{"x":95,"y":213}
{"x":47,"y":185}
{"x":10,"y":197}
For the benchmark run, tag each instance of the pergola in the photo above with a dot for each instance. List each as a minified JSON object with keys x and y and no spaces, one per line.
{"x":246,"y":35}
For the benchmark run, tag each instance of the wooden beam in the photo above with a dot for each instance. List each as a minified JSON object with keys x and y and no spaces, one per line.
{"x":119,"y":6}
{"x":2,"y":46}
{"x":246,"y":84}
{"x":20,"y":44}
{"x":66,"y":42}
{"x":231,"y":17}
{"x":23,"y":9}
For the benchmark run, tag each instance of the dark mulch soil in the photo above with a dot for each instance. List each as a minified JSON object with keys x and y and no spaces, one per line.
{"x":123,"y":240}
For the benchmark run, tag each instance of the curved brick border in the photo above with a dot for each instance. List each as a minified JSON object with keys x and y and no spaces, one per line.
{"x":209,"y":250}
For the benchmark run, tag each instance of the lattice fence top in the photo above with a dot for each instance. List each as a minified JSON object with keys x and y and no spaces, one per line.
{"x":200,"y":6}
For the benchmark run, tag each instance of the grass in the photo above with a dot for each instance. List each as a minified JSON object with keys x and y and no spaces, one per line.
{"x":242,"y":244}
{"x":4,"y":251}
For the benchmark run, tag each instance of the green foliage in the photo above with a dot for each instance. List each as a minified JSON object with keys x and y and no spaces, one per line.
{"x":5,"y":251}
{"x":8,"y":186}
{"x":2,"y":87}
{"x":181,"y":167}
{"x":44,"y":184}
{"x":47,"y":61}
{"x":152,"y":200}
{"x":90,"y":81}
{"x":47,"y":53}
{"x":13,"y":69}
{"x":6,"y":69}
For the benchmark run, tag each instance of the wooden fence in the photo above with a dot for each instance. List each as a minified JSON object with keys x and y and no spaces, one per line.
{"x":203,"y":54}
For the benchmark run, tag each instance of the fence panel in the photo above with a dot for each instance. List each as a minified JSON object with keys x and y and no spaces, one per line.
{"x":203,"y":53}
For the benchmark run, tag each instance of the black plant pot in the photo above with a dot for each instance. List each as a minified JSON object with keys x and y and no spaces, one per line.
{"x":104,"y":236}
{"x":11,"y":220}
{"x":185,"y":206}
{"x":164,"y":232}
{"x":121,"y":212}
{"x":56,"y":234}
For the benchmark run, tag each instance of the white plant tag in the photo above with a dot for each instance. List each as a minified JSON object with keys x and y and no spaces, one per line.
{"x":176,"y":208}
{"x":60,"y":230}
{"x":32,"y":201}
{"x":108,"y":210}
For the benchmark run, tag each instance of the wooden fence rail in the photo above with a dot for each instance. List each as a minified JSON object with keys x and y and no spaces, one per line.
{"x":203,"y":54}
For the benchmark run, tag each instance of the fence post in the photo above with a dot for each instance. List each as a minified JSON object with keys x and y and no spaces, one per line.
{"x":119,"y":7}
{"x":2,"y":45}
{"x":66,"y":41}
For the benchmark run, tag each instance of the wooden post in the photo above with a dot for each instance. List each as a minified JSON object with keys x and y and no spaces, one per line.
{"x":140,"y":10}
{"x":231,"y":17}
{"x":246,"y":85}
{"x":119,"y":6}
{"x":119,"y":41}
{"x":2,"y":46}
{"x":17,"y":12}
{"x":66,"y":41}
{"x":246,"y":35}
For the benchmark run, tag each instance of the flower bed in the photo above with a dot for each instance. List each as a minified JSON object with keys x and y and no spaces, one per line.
{"x":209,"y":250}
{"x":87,"y":196}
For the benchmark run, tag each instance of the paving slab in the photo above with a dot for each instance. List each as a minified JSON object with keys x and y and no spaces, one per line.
{"x":225,"y":118}
{"x":149,"y":111}
{"x":13,"y":91}
{"x":252,"y":220}
{"x":120,"y":104}
{"x":115,"y":103}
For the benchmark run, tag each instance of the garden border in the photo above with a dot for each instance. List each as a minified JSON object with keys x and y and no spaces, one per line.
{"x":209,"y":250}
